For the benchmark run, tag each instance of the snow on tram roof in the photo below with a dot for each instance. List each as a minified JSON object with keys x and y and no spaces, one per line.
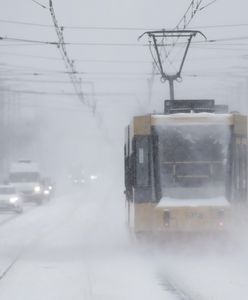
{"x":167,"y":202}
{"x":192,"y":118}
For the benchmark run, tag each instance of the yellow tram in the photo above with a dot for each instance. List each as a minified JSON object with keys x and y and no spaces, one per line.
{"x":185,"y":169}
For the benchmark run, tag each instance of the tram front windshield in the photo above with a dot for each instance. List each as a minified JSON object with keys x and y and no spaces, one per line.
{"x":193,"y":160}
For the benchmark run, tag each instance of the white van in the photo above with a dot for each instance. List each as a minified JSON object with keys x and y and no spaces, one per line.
{"x":25,"y":176}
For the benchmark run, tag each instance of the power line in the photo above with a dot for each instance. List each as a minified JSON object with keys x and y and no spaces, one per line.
{"x":30,"y":56}
{"x":103,"y":61}
{"x":210,"y":3}
{"x":191,"y":11}
{"x":112,"y":61}
{"x":118,"y":77}
{"x":48,"y":72}
{"x":220,"y":26}
{"x":6,"y":79}
{"x":25,"y":23}
{"x":69,"y":64}
{"x":63,"y":44}
{"x":43,"y":6}
{"x":67,"y":27}
{"x":193,"y":8}
{"x":20,"y":45}
{"x":239,"y":38}
{"x":76,"y":27}
{"x":27,"y":41}
{"x":35,"y":92}
{"x":213,"y":47}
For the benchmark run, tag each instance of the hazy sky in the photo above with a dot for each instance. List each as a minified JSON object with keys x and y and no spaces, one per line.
{"x":120,"y":73}
{"x":204,"y":61}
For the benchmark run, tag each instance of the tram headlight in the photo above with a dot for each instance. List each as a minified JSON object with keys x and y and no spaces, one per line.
{"x":221,"y":223}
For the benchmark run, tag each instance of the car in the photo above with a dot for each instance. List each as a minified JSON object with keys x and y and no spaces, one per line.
{"x":10,"y":199}
{"x":48,"y":188}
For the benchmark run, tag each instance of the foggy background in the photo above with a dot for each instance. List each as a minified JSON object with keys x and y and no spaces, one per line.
{"x":78,"y":246}
{"x":114,"y":76}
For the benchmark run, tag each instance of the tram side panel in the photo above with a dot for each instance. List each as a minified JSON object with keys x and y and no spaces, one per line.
{"x":139,"y":190}
{"x":239,"y":168}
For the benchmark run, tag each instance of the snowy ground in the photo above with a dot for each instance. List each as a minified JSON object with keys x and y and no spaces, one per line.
{"x":77,"y":247}
{"x":207,"y":276}
{"x":214,"y":270}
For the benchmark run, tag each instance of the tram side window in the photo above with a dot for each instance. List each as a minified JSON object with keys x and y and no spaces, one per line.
{"x":142,"y":162}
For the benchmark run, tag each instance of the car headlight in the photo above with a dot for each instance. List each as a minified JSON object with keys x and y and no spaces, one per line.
{"x":93,"y":177}
{"x":46,"y":192}
{"x":50,"y":187}
{"x":13,"y":199}
{"x":37,"y":189}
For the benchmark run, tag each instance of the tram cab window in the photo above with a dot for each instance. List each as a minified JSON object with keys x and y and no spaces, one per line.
{"x":193,"y":161}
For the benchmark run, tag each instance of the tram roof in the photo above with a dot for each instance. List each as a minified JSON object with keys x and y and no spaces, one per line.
{"x":191,"y":118}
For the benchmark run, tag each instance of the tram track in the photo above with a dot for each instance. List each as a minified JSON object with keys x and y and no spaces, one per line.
{"x":4,"y":273}
{"x":177,"y":290}
{"x":15,"y":215}
{"x":8,"y":219}
{"x":9,"y":267}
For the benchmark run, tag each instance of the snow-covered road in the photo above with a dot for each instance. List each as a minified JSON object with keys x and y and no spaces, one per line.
{"x":74,"y":247}
{"x":77,"y":247}
{"x":217,"y":271}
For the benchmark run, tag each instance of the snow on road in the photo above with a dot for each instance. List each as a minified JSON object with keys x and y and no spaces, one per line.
{"x":75,"y":247}
{"x":203,"y":274}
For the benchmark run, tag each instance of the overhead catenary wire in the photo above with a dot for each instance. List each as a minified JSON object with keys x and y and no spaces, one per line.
{"x":202,"y":46}
{"x":20,"y":45}
{"x":76,"y":27}
{"x":41,"y":5}
{"x":192,"y":10}
{"x":188,"y":16}
{"x":36,"y":92}
{"x":111,"y":61}
{"x":13,"y":39}
{"x":210,"y":3}
{"x":117,"y":28}
{"x":107,"y":61}
{"x":69,"y":64}
{"x":110,"y":28}
{"x":52,"y":72}
{"x":61,"y":44}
